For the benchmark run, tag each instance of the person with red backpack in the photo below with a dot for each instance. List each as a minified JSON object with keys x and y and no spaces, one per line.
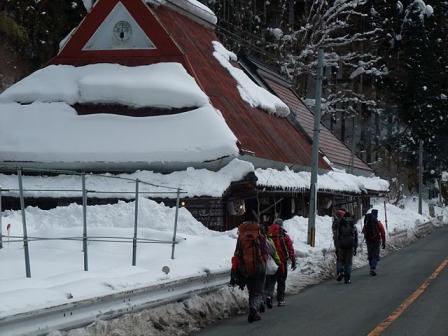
{"x":285,"y":251}
{"x":374,"y":235}
{"x":249,"y":266}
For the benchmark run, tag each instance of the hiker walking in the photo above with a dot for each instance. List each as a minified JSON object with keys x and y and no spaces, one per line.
{"x":285,"y":250}
{"x":334,"y":227}
{"x":273,"y":264}
{"x":249,"y":266}
{"x":347,"y":245}
{"x":375,"y":236}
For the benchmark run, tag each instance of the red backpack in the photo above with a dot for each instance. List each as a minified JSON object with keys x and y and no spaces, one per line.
{"x":278,"y":238}
{"x":251,"y":249}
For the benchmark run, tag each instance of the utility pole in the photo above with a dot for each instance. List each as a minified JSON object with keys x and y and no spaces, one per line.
{"x":420,"y":177}
{"x":352,"y":151}
{"x":314,"y":162}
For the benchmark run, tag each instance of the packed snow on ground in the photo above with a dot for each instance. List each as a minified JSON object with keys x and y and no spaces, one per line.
{"x":57,"y":265}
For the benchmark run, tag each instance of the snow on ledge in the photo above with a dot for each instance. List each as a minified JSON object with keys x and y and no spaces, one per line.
{"x":331,"y":181}
{"x":192,"y":182}
{"x":250,"y":92}
{"x":166,"y":85}
{"x":192,"y":6}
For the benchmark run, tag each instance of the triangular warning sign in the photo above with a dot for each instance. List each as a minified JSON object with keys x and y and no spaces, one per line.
{"x":119,"y":31}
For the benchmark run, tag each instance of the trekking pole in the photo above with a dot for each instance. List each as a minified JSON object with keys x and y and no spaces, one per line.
{"x":8,"y":227}
{"x":362,"y":241}
{"x":385,"y":213}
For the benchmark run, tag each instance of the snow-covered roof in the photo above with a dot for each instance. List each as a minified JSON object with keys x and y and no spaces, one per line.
{"x":334,"y":181}
{"x":192,"y":182}
{"x":46,"y":127}
{"x":191,"y":6}
{"x":165,"y":85}
{"x":38,"y":123}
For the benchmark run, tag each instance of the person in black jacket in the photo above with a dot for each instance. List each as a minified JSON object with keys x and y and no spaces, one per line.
{"x":334,"y":227}
{"x":347,"y":245}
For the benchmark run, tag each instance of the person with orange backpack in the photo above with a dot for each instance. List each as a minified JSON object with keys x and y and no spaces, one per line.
{"x":249,"y":266}
{"x":285,"y":251}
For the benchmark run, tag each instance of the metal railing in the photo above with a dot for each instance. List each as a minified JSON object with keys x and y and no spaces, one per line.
{"x":85,"y":237}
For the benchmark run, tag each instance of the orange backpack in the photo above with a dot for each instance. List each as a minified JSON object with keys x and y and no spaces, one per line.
{"x":251,"y":249}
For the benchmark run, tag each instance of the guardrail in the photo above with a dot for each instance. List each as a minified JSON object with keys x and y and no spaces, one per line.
{"x":398,"y":233}
{"x":423,"y":226}
{"x":80,"y":313}
{"x":403,"y":233}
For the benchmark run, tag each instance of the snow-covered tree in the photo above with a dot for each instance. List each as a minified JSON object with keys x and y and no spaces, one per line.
{"x":418,"y":83}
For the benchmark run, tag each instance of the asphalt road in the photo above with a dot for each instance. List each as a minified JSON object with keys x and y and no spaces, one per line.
{"x":409,"y":296}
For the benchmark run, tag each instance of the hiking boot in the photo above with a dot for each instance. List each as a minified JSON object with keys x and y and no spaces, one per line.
{"x":372,"y":272}
{"x":340,"y":276}
{"x":269,"y":302}
{"x":253,"y":316}
{"x":281,"y":303}
{"x":347,"y":281}
{"x":262,"y":307}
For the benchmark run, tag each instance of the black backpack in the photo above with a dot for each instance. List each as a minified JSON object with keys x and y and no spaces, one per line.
{"x":346,"y":236}
{"x":371,"y":231}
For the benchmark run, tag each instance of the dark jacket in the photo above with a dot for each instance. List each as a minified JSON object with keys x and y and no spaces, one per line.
{"x":350,"y":239}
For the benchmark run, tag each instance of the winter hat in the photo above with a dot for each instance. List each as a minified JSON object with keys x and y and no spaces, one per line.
{"x":278,"y":221}
{"x":340,"y":213}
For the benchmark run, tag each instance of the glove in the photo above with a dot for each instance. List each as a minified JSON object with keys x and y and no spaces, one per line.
{"x":293,"y":265}
{"x":233,"y":278}
{"x":383,"y":246}
{"x":234,"y":275}
{"x":234,"y":262}
{"x":354,"y":252}
{"x":236,"y":279}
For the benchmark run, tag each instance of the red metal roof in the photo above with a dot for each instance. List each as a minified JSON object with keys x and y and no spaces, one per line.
{"x":329,"y":144}
{"x":273,"y":140}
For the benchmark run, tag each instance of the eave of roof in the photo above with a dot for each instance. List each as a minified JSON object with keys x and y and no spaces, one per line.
{"x":333,"y":182}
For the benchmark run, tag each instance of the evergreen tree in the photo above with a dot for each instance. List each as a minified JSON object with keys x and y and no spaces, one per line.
{"x":46,"y":23}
